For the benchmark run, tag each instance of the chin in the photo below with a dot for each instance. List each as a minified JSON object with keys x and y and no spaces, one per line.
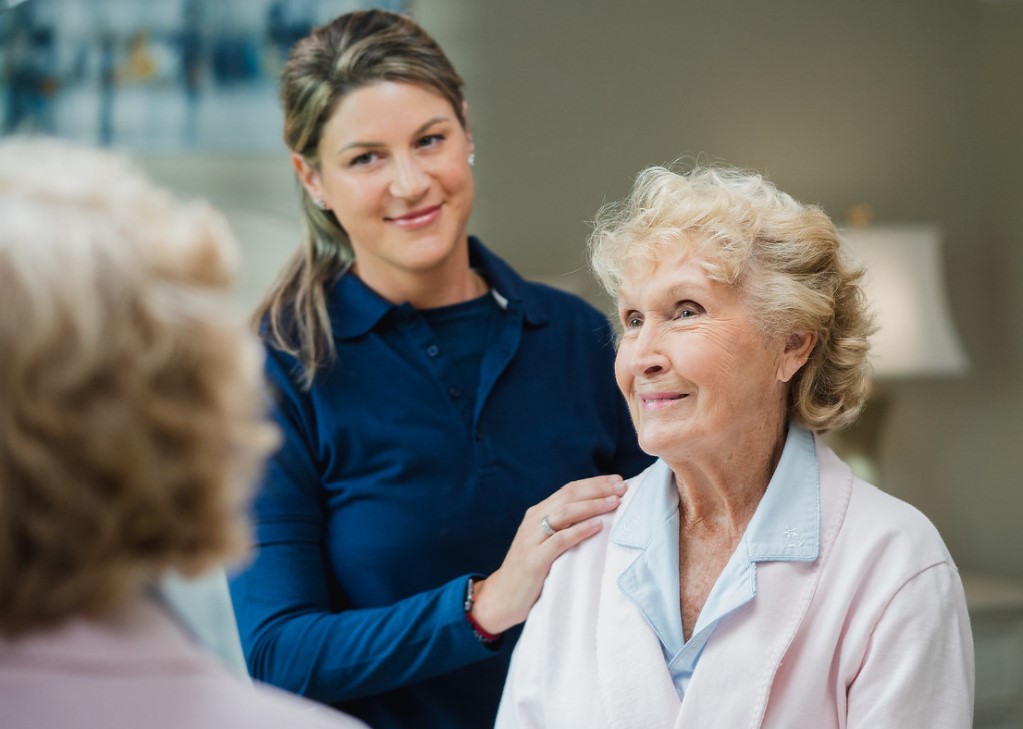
{"x":656,"y":444}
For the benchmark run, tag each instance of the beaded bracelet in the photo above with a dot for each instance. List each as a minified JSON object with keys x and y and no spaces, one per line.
{"x":481,"y":634}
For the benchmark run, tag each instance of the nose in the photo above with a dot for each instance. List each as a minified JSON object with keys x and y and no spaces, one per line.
{"x":647,"y":355}
{"x":410,"y":180}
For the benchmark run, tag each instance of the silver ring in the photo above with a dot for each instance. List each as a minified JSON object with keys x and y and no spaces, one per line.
{"x":546,"y":526}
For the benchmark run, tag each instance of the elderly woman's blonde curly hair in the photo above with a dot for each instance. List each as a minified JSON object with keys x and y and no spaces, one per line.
{"x":133,"y":412}
{"x":785,"y":257}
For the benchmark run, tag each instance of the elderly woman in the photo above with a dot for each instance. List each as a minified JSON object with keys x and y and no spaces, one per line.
{"x":130,"y":427}
{"x":748,"y":579}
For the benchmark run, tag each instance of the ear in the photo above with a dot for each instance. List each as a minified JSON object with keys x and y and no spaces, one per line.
{"x":798,"y":347}
{"x":308,"y":176}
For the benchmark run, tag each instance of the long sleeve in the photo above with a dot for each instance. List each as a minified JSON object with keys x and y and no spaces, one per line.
{"x":918,"y":670}
{"x":296,"y":631}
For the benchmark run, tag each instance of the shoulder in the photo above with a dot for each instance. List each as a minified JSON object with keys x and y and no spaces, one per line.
{"x":219,"y":698}
{"x":560,"y":302}
{"x":581,"y":568}
{"x":883,"y":545}
{"x":568,"y":315}
{"x":282,"y":369}
{"x":287,"y":399}
{"x":543,"y":303}
{"x":873,"y":528}
{"x":575,"y":579}
{"x":899,"y":528}
{"x":575,"y":576}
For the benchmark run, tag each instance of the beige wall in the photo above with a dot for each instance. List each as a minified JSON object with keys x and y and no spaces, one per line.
{"x":913,"y":107}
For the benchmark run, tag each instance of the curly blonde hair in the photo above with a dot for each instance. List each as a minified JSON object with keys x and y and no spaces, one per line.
{"x":133,"y":412}
{"x":784,"y":256}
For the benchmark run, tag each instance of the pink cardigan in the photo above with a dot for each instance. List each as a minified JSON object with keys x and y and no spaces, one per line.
{"x":873,"y":634}
{"x":139,"y":670}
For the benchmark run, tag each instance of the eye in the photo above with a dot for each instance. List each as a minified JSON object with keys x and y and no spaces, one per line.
{"x":632,"y":320}
{"x":687,"y":310}
{"x":430,"y":140}
{"x":363,"y":159}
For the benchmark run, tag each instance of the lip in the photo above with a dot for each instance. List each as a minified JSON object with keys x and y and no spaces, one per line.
{"x":659,"y":400}
{"x":417,"y":218}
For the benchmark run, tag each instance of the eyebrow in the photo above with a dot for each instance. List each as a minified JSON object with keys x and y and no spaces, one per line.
{"x":419,"y":130}
{"x":685,"y":290}
{"x":679,"y":291}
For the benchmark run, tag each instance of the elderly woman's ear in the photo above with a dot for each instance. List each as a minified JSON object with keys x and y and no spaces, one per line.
{"x":797,"y":350}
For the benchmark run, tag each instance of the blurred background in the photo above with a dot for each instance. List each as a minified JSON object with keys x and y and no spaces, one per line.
{"x":910,"y":110}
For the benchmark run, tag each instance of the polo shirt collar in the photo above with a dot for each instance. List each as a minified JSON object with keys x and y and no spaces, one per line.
{"x":509,"y":288}
{"x":355,"y":309}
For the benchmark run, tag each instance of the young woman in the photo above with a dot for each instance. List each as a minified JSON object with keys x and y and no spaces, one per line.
{"x":429,"y":397}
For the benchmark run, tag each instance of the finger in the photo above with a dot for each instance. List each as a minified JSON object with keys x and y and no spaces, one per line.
{"x":569,"y":537}
{"x":562,"y":516}
{"x":591,"y":488}
{"x":595,"y":487}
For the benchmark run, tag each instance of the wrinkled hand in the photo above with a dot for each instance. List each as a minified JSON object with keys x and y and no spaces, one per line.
{"x":505,"y":597}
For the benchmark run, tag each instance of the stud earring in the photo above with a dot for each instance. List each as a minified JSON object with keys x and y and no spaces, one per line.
{"x":320,"y":204}
{"x":472,"y":158}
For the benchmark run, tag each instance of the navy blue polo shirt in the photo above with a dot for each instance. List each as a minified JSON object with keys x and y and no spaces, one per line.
{"x":384,"y":497}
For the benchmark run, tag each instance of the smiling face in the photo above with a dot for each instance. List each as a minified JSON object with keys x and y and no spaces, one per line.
{"x":394,"y":169}
{"x":700,"y":377}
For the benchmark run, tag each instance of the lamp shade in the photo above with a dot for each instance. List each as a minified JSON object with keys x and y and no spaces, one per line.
{"x":906,"y":290}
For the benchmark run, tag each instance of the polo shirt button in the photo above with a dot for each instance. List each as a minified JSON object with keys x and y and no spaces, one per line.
{"x":433,"y":350}
{"x":454,"y":392}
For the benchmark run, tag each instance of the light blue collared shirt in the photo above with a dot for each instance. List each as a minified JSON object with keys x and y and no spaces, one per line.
{"x":785,"y":526}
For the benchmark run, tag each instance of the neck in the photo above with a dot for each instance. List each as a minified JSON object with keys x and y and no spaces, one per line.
{"x":451,"y":282}
{"x":721,"y":491}
{"x":433,"y":294}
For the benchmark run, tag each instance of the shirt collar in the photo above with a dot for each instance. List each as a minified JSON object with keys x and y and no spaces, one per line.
{"x":355,"y":309}
{"x":653,"y":500}
{"x":785,"y":526}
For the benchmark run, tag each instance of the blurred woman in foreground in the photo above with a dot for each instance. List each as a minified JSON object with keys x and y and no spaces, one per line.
{"x":130,"y":429}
